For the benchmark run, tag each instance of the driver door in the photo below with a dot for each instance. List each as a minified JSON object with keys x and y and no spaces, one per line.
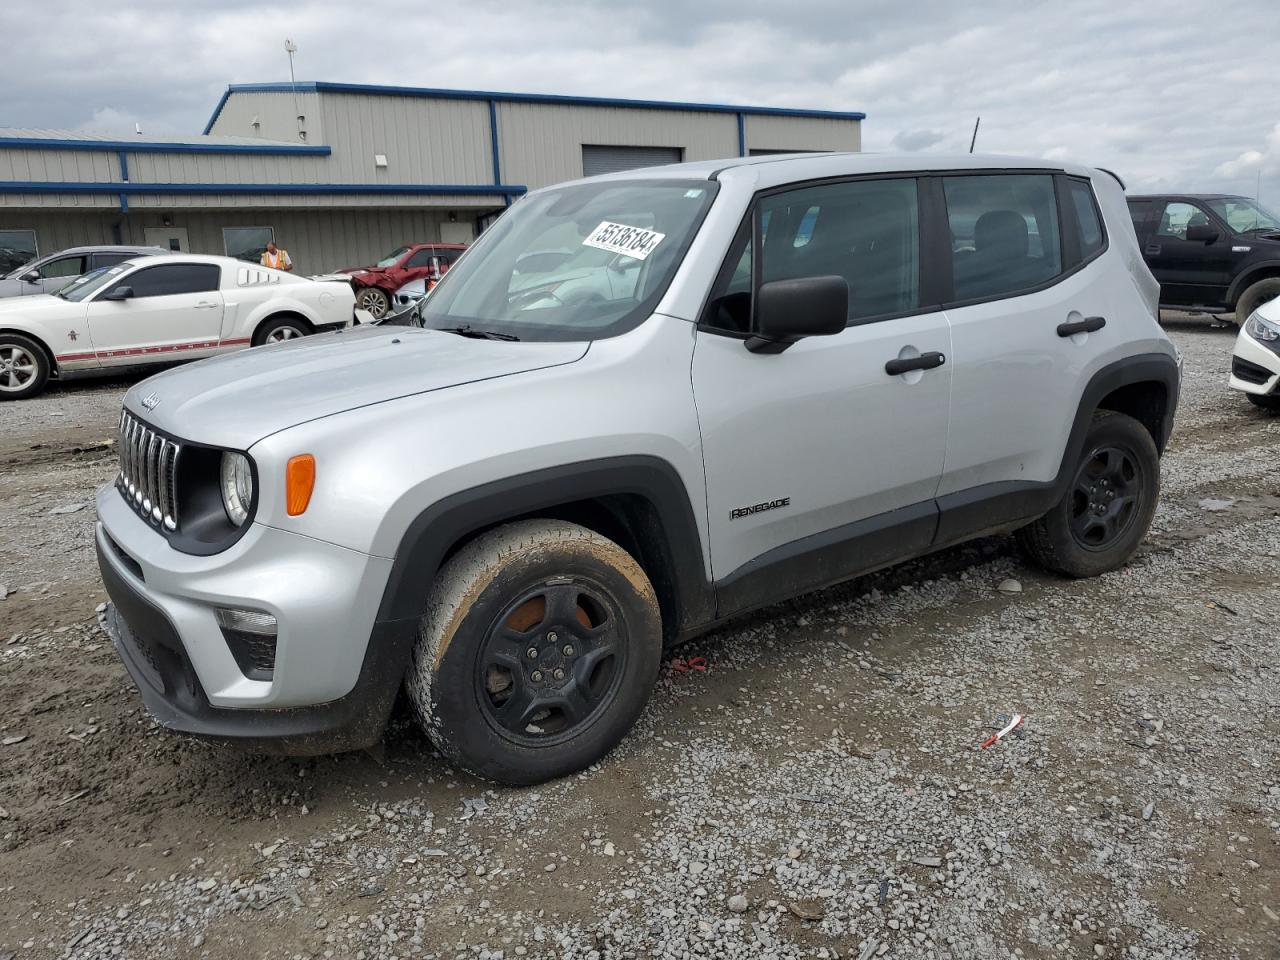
{"x":55,"y":274}
{"x":174,"y":312}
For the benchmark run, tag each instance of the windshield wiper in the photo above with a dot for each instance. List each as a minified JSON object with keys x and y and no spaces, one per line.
{"x":469,"y":331}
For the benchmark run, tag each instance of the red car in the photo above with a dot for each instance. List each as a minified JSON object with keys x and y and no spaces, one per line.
{"x":375,"y":285}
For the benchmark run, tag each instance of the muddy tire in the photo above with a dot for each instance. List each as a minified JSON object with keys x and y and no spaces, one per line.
{"x":24,"y":367}
{"x":1265,"y":401}
{"x":1254,"y":296}
{"x":539,"y":648}
{"x":1107,"y":509}
{"x":374,"y":300}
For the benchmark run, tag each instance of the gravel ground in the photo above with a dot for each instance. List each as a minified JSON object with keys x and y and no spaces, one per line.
{"x":817,"y":792}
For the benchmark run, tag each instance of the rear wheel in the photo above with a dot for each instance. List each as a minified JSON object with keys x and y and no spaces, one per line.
{"x":540,"y":645}
{"x":373,"y":300}
{"x":1265,"y":401}
{"x":1254,"y":296}
{"x":24,"y":367}
{"x":280,"y":329}
{"x":1106,"y":511}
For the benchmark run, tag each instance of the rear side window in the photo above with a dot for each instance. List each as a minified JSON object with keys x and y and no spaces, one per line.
{"x":111,"y":259}
{"x":1004,"y":233}
{"x":174,"y":278}
{"x":865,"y":231}
{"x":1139,"y":213}
{"x":1088,"y":222}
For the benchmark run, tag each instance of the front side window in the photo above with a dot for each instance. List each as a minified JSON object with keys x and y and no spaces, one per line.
{"x":1088,"y":222}
{"x":1004,"y":233}
{"x":62,"y":267}
{"x":1245,"y":216}
{"x":17,"y":248}
{"x":247,"y":243}
{"x":865,"y":231}
{"x":82,"y":288}
{"x":574,"y":263}
{"x":172,"y":279}
{"x":420,"y":258}
{"x":1177,"y":216}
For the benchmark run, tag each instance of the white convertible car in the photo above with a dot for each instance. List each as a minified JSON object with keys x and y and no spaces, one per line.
{"x":152,"y":310}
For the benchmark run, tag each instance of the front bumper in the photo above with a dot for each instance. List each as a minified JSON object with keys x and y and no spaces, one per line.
{"x":337,"y":671}
{"x":1255,"y":368}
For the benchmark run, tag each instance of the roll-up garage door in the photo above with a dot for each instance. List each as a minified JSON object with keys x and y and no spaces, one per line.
{"x":597,"y":160}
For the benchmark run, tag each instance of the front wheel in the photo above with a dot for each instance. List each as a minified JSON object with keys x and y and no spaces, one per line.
{"x":375,"y":301}
{"x":539,"y":648}
{"x":1254,"y":296}
{"x":1106,"y":511}
{"x":1262,"y":400}
{"x":24,"y":368}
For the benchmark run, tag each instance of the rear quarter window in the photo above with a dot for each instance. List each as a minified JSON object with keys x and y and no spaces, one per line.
{"x":1088,"y":222}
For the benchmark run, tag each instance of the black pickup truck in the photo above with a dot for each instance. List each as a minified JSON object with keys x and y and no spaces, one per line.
{"x":1210,"y":252}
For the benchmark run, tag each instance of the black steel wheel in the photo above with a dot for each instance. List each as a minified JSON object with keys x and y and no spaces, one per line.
{"x":1106,"y":497}
{"x":1108,"y":505}
{"x":551,"y":662}
{"x":539,"y":648}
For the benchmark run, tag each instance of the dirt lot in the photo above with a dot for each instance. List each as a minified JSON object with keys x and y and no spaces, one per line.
{"x":818,"y":792}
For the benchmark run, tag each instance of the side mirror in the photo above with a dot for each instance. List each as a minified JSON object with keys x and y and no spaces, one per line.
{"x":1202,"y":233}
{"x":118,"y":293}
{"x":790,"y":310}
{"x":32,"y":277}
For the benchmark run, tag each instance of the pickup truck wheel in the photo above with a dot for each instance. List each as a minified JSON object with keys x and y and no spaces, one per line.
{"x":1254,"y":296}
{"x":24,"y":368}
{"x":373,"y":300}
{"x":539,"y":648}
{"x":1108,"y":507}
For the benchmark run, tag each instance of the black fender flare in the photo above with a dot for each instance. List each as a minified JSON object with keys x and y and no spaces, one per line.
{"x":436,"y":529}
{"x":1250,"y":276}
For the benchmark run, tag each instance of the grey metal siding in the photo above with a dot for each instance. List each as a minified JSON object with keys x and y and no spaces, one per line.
{"x":802,"y":133}
{"x":277,"y":116}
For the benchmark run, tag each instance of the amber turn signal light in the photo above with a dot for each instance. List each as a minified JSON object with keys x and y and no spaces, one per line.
{"x":299,"y":480}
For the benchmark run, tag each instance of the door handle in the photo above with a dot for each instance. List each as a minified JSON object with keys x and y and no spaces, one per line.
{"x":926,"y":361}
{"x":205,"y":305}
{"x":1153,"y":248}
{"x":1087,"y":325}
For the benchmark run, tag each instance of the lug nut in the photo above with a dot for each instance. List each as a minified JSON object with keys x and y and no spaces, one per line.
{"x":568,"y":650}
{"x":536,"y":676}
{"x":551,"y":637}
{"x":532,"y":653}
{"x":559,"y":674}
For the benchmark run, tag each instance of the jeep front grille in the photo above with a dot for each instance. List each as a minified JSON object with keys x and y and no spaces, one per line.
{"x":148,"y":472}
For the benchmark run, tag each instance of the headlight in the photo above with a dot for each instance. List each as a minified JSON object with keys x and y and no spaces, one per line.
{"x":237,"y":487}
{"x":1260,"y":329}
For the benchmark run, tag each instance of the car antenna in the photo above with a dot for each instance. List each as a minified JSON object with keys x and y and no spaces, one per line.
{"x":974,"y":138}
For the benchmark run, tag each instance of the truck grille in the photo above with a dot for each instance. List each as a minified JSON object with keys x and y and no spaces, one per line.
{"x":148,"y":472}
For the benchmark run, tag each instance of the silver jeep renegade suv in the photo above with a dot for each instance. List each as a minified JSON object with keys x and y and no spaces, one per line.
{"x":638,"y":406}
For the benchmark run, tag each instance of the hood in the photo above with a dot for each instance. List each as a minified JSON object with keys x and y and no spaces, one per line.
{"x":236,"y":400}
{"x":36,"y":306}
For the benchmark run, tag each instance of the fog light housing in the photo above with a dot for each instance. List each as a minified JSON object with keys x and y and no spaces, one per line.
{"x":251,"y":638}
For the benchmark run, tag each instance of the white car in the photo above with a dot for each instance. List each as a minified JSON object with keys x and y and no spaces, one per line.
{"x":1255,"y":363}
{"x":154,"y":310}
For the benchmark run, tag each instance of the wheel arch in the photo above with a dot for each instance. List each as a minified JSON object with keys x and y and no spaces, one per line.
{"x":1258,"y":271}
{"x":1144,"y":387}
{"x":287,"y":312}
{"x":39,"y":342}
{"x":639,"y":502}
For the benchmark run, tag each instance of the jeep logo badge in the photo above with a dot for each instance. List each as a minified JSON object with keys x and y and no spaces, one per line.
{"x":151,"y":401}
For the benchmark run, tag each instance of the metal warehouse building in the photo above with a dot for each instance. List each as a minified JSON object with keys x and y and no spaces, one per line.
{"x":340,"y":174}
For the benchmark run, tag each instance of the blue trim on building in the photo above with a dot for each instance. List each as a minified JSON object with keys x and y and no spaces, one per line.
{"x":742,"y":135}
{"x":145,"y":146}
{"x":545,"y":98}
{"x":306,"y":189}
{"x":124,"y":203}
{"x":124,"y":165}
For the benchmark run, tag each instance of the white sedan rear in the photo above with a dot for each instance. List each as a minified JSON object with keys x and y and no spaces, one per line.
{"x":154,"y":310}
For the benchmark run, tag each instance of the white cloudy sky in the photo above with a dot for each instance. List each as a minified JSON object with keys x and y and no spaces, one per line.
{"x":1176,"y":94}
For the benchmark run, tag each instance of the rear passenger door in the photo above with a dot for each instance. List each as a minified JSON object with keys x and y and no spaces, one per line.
{"x":1025,"y":268}
{"x":819,"y":463}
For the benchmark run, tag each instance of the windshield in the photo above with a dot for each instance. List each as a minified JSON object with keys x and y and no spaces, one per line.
{"x":83,"y":287}
{"x":577,"y":263}
{"x":1245,"y":216}
{"x":390,"y":259}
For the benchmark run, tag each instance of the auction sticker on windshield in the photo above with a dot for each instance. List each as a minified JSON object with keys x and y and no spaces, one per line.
{"x":629,"y":241}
